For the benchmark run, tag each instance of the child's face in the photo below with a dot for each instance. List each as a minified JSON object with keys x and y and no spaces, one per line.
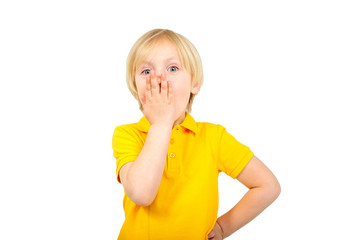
{"x":165,"y":59}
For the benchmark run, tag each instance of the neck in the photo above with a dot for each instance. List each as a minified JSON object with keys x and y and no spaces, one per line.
{"x":180,"y":119}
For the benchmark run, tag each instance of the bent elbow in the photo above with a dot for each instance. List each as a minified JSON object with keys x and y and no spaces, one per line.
{"x":275,"y":190}
{"x":142,"y":203}
{"x":142,"y":200}
{"x":272,"y":191}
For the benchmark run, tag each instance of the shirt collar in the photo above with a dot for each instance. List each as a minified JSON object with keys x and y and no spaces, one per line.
{"x":188,"y":123}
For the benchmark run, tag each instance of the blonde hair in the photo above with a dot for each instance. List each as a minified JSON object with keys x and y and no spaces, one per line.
{"x":189,"y":57}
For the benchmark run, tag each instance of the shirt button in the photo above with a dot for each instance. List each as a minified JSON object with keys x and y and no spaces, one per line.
{"x":171,"y":140}
{"x":172,"y":155}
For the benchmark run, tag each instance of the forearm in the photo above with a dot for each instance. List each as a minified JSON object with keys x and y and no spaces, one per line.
{"x":250,"y":206}
{"x":146,"y":172}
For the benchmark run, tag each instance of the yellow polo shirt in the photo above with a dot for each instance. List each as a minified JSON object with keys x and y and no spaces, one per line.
{"x":186,"y":205}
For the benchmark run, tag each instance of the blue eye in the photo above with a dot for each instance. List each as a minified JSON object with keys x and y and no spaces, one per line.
{"x":146,"y":70}
{"x":173,"y":67}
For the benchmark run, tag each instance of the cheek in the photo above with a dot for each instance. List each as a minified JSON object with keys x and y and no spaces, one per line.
{"x":181,"y":92}
{"x":181,"y":87}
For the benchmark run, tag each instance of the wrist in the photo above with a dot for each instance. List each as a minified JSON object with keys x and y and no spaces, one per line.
{"x":161,"y":127}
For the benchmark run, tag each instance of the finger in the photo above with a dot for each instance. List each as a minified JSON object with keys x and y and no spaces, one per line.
{"x":148,"y":88}
{"x":154,"y":85}
{"x":164,"y":87}
{"x":143,"y":99}
{"x":211,"y":234}
{"x":170,"y":93}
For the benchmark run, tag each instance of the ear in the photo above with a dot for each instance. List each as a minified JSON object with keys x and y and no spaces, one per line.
{"x":196,"y":88}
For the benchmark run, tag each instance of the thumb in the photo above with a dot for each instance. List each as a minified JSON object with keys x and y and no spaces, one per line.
{"x":211,"y":234}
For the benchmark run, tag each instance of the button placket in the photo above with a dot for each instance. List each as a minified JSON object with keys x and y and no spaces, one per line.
{"x":173,"y":165}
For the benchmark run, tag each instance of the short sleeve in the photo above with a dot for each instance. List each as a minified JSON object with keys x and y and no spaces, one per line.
{"x":126,"y":147}
{"x":233,"y":155}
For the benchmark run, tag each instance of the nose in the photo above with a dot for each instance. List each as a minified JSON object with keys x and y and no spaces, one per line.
{"x":158,"y":75}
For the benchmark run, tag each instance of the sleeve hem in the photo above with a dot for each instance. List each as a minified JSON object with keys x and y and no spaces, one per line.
{"x":119,"y":167}
{"x":242,"y":164}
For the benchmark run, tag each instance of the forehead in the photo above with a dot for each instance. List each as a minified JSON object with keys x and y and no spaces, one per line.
{"x":162,"y":49}
{"x":165,"y":60}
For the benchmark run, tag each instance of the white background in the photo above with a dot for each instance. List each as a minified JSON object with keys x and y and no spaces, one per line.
{"x":281,"y":76}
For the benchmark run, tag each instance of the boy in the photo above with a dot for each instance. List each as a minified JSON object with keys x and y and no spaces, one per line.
{"x":168,"y":163}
